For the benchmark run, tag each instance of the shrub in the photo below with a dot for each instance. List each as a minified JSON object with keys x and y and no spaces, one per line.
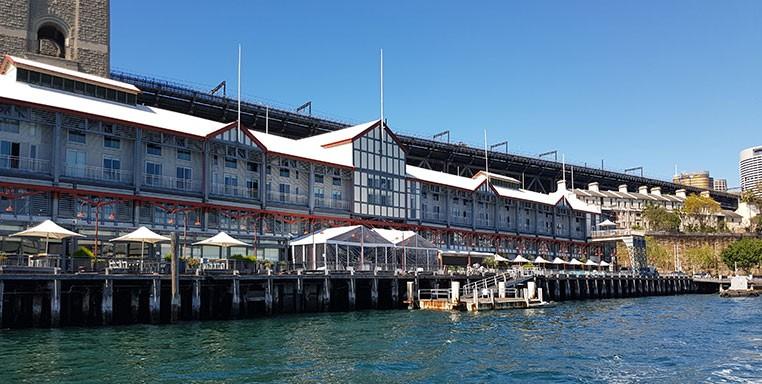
{"x":83,"y":251}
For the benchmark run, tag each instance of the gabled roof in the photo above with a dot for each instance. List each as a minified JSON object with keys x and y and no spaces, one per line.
{"x":302,"y":149}
{"x":20,"y":62}
{"x":140,"y":115}
{"x":445,"y":179}
{"x":341,"y":135}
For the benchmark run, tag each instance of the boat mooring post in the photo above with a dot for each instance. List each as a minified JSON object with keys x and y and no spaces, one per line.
{"x":175,"y":301}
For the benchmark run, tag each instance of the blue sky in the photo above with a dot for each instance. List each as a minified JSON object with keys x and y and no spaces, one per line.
{"x":648,"y":83}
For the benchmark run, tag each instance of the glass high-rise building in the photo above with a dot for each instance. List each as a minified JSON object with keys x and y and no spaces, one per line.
{"x":750,"y":166}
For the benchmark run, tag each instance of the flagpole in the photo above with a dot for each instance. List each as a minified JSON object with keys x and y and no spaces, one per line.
{"x":267,"y":119}
{"x":382,"y":87}
{"x":486,"y":158}
{"x":238,"y":133}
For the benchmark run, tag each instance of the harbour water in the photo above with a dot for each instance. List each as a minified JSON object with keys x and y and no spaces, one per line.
{"x":679,"y":339}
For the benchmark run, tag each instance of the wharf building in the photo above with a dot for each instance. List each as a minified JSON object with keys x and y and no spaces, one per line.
{"x":78,"y":148}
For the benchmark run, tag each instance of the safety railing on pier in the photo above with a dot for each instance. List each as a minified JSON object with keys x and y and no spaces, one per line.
{"x":492,"y":281}
{"x":434,"y":294}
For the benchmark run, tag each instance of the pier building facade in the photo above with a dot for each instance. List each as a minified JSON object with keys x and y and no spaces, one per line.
{"x":80,"y":148}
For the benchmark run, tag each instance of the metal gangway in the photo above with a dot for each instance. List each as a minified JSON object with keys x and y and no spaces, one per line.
{"x":510,"y":278}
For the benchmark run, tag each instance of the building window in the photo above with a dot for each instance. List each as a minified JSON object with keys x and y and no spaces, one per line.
{"x":337,"y":181}
{"x":111,"y":142}
{"x":183,"y":154}
{"x":252,"y":166}
{"x":231,"y":185}
{"x":253,"y":187}
{"x":153,"y":149}
{"x":77,"y":137}
{"x":111,"y":168}
{"x":153,"y":173}
{"x":319,"y":179}
{"x":336,"y":195}
{"x":8,"y":125}
{"x":285,"y":191}
{"x":284,"y":172}
{"x":9,"y":154}
{"x":231,"y":163}
{"x":184,"y":176}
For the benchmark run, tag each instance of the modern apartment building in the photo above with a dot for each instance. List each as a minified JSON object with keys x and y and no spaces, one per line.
{"x":78,"y":148}
{"x":721,"y":185}
{"x":750,"y":166}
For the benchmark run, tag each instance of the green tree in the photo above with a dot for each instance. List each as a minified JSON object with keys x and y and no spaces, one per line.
{"x":701,"y":257}
{"x":754,"y":202}
{"x":745,"y":253}
{"x":658,"y":255}
{"x":660,"y":219}
{"x":698,"y":212}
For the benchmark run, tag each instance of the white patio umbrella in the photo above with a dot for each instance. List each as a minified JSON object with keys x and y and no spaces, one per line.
{"x":520,"y":259}
{"x":540,"y":260}
{"x":559,"y":261}
{"x":604,"y":263}
{"x":142,"y":235}
{"x":606,"y":224}
{"x":575,"y":262}
{"x":48,"y":230}
{"x":222,"y":240}
{"x":591,"y":263}
{"x":499,"y":258}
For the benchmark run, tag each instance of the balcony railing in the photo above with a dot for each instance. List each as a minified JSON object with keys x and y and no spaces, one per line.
{"x":287,"y":198}
{"x":433,"y":216}
{"x":460,"y":220}
{"x":482,"y":222}
{"x":24,"y":164}
{"x":331,"y":203}
{"x":234,"y":191}
{"x":174,"y":183}
{"x":97,"y":173}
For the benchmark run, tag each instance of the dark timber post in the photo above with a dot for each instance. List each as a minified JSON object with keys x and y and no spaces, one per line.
{"x":395,"y":293}
{"x":326,"y":294}
{"x":2,"y":297}
{"x":352,"y":293}
{"x":374,"y":292}
{"x":196,"y":300}
{"x":154,"y":301}
{"x":107,"y":301}
{"x":135,"y":304}
{"x":235,"y":291}
{"x":269,"y":296}
{"x":299,"y":293}
{"x":175,"y":269}
{"x":55,"y":302}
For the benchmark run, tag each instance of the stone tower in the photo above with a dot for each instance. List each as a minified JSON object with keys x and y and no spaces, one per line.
{"x":69,"y":33}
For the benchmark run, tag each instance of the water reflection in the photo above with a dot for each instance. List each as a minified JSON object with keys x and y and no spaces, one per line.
{"x":663,"y":339}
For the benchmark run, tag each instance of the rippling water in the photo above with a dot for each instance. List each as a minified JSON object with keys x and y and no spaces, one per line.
{"x":658,"y":339}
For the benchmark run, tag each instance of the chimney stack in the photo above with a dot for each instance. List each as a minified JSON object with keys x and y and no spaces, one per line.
{"x":593,"y":187}
{"x":680,"y":193}
{"x":656,"y":191}
{"x":643,"y":190}
{"x":704,"y":193}
{"x":561,"y":185}
{"x":623,"y":188}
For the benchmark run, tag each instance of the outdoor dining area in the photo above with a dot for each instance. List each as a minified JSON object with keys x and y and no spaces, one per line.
{"x":139,"y":251}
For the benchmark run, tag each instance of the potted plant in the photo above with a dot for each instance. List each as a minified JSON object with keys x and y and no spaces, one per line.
{"x":83,"y":252}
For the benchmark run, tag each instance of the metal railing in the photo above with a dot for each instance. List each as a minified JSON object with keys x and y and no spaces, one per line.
{"x":615,"y":233}
{"x":331,"y":203}
{"x":24,"y":164}
{"x":433,"y":215}
{"x":234,"y":191}
{"x":97,"y":173}
{"x":169,"y":182}
{"x":434,"y":294}
{"x":287,"y":198}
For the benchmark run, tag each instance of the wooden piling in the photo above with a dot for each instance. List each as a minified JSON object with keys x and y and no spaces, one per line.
{"x":326,"y":294}
{"x":269,"y":296}
{"x":36,"y":310}
{"x":374,"y":293}
{"x":2,"y":298}
{"x":196,"y":300}
{"x":107,"y":302}
{"x":154,"y":301}
{"x":55,"y":302}
{"x":235,"y":293}
{"x":135,"y":304}
{"x":395,"y":293}
{"x":175,"y":300}
{"x":352,"y":293}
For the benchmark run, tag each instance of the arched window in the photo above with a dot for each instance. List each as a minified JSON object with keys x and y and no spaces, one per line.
{"x":51,"y":41}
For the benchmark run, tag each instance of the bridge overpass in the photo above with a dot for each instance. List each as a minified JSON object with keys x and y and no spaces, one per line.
{"x":538,"y":174}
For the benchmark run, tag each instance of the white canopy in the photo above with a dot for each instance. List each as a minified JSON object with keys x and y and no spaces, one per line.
{"x":604,"y":263}
{"x":499,"y":258}
{"x":607,"y":223}
{"x":591,"y":263}
{"x":520,"y":259}
{"x":540,"y":260}
{"x":223,"y":240}
{"x":559,"y":260}
{"x":354,"y":235}
{"x":575,"y":262}
{"x":48,"y":230}
{"x":142,"y":235}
